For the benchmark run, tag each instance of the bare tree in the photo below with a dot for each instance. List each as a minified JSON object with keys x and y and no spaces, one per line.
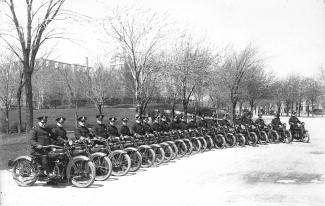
{"x":312,"y":93}
{"x":29,"y":39}
{"x":139,"y":34}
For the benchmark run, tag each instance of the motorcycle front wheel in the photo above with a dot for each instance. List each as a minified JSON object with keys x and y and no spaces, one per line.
{"x":81,"y":172}
{"x":121,"y":162}
{"x":136,"y":160}
{"x":148,"y":157}
{"x":24,"y":172}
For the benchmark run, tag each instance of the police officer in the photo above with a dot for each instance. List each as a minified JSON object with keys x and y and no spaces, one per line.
{"x":192,"y":123}
{"x":276,"y":122}
{"x":225,"y":121}
{"x":146,"y":125}
{"x":247,"y":118}
{"x":40,"y":136}
{"x":137,"y":127}
{"x":260,"y":121}
{"x":59,"y":133}
{"x":174,"y":124}
{"x":294,"y":121}
{"x":111,"y":128}
{"x":202,"y":123}
{"x":100,"y":129}
{"x":183,"y":124}
{"x":82,"y":131}
{"x":164,"y":124}
{"x":156,"y":127}
{"x":125,"y":130}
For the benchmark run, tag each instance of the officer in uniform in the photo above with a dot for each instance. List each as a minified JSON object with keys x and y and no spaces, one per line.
{"x":164,"y":124}
{"x":100,"y":129}
{"x":137,"y":127}
{"x":82,"y":131}
{"x":276,"y":122}
{"x":174,"y":124}
{"x":111,"y":128}
{"x":146,"y":125}
{"x":59,"y":133}
{"x":294,"y":121}
{"x":156,"y":127}
{"x":192,"y":124}
{"x":40,"y":136}
{"x":183,"y":124}
{"x":202,"y":123}
{"x":125,"y":130}
{"x":247,"y":118}
{"x":225,"y":121}
{"x":260,"y":121}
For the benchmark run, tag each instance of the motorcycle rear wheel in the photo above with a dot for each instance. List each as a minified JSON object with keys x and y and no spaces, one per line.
{"x":121,"y":163}
{"x":241,"y":141}
{"x":148,"y":157}
{"x":219,"y":141}
{"x":263,"y":139}
{"x":82,"y":172}
{"x":230,"y":140}
{"x":160,"y":155}
{"x":136,"y":160}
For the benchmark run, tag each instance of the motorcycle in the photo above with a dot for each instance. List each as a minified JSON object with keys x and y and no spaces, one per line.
{"x":300,"y":133}
{"x":79,"y":170}
{"x":284,"y":134}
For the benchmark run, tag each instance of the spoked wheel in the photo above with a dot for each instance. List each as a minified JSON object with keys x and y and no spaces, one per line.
{"x":209,"y":141}
{"x":263,"y":139}
{"x":136,"y":160}
{"x":273,"y":137}
{"x":230,"y":140}
{"x":174,"y":149}
{"x":148,"y":157}
{"x":287,"y":137}
{"x":121,"y":163}
{"x":252,"y":139}
{"x":204,"y":144}
{"x":189,"y":146}
{"x":196,"y":145}
{"x":168,"y":152}
{"x":241,"y":141}
{"x":103,"y":167}
{"x":160,"y":155}
{"x":182,"y":149}
{"x":306,"y":137}
{"x":24,"y":172}
{"x":219,"y":141}
{"x":81,"y":172}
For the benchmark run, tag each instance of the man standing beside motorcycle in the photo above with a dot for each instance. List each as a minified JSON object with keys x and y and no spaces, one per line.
{"x":40,"y":136}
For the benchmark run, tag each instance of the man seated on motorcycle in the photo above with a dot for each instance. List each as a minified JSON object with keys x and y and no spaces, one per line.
{"x":164,"y":124}
{"x":156,"y":127}
{"x":112,"y":129}
{"x":294,"y":122}
{"x":225,"y":121}
{"x":183,"y":124}
{"x":100,"y":129}
{"x":260,"y":121}
{"x":82,"y":132}
{"x":59,"y":133}
{"x":202,"y":123}
{"x":146,"y":125}
{"x":276,"y":122}
{"x":40,"y":136}
{"x":137,"y":128}
{"x":125,"y":130}
{"x":192,"y":123}
{"x":247,"y":118}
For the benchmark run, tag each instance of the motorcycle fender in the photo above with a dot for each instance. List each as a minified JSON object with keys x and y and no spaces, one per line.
{"x":155,"y":145}
{"x":164,"y":144}
{"x":145,"y":147}
{"x":69,"y":166}
{"x":130,"y":149}
{"x":101,"y":154}
{"x":11,"y":163}
{"x":117,"y":152}
{"x":181,"y":141}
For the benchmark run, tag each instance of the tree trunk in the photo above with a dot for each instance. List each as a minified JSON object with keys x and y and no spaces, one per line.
{"x":307,"y":110}
{"x":173,"y":109}
{"x":29,"y":98}
{"x":234,"y":104}
{"x":240,"y":107}
{"x":185,"y":109}
{"x":19,"y":111}
{"x":7,"y":119}
{"x":99,"y":107}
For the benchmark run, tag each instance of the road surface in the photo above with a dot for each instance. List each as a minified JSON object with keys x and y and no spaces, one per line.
{"x":274,"y":174}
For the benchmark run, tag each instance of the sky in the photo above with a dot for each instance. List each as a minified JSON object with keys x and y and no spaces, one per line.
{"x":289,"y":34}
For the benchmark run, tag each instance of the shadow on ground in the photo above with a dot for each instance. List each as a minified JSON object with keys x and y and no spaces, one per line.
{"x":283,"y":178}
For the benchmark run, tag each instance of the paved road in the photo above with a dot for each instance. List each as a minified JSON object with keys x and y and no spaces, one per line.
{"x":277,"y":174}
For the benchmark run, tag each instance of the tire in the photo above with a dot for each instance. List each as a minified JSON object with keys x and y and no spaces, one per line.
{"x":87,"y":170}
{"x":136,"y":160}
{"x":160,"y":155}
{"x":24,"y":172}
{"x":204,"y":144}
{"x":219,"y":141}
{"x":189,"y":146}
{"x":252,"y":139}
{"x":182,"y":148}
{"x":168,"y":152}
{"x":230,"y":140}
{"x":306,"y":137}
{"x":263,"y":139}
{"x":148,"y":157}
{"x":196,"y":145}
{"x":103,"y":166}
{"x":273,"y":137}
{"x":174,"y":149}
{"x":241,"y":141}
{"x":209,"y":141}
{"x":121,"y":162}
{"x":287,"y":137}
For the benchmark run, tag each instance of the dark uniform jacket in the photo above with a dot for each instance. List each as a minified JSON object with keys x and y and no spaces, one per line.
{"x":174,"y":125}
{"x":164,"y":126}
{"x":59,"y":134}
{"x":156,"y":127}
{"x":40,"y":136}
{"x":191,"y":125}
{"x":82,"y":132}
{"x":112,"y":131}
{"x":125,"y":131}
{"x":100,"y":130}
{"x":183,"y":126}
{"x":293,"y":121}
{"x":260,"y":122}
{"x":247,"y":121}
{"x":138,"y":129}
{"x":147,"y":127}
{"x":225,"y":122}
{"x":203,"y":123}
{"x":276,"y":122}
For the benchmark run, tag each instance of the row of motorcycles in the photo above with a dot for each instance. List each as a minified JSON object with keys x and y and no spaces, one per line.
{"x":82,"y":162}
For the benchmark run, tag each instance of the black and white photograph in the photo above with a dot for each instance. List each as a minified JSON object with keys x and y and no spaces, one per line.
{"x":165,"y":103}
